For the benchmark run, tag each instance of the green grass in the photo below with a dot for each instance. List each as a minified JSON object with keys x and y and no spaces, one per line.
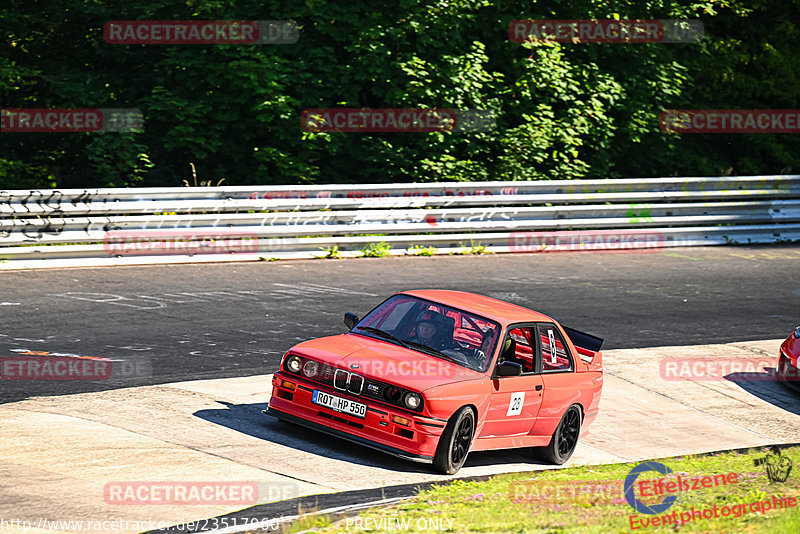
{"x":589,"y":499}
{"x":376,"y":250}
{"x":419,"y":250}
{"x":473,"y":248}
{"x":308,"y":520}
{"x":331,"y":252}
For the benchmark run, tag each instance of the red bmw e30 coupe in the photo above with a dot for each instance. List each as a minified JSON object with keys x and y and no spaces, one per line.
{"x":788,"y":369}
{"x":431,"y":375}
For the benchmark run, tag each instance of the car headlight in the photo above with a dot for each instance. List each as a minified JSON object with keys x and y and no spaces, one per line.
{"x":797,"y":332}
{"x":294,"y":364}
{"x":310,"y":369}
{"x":412,"y":401}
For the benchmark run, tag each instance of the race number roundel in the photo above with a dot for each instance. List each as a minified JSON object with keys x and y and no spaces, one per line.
{"x":515,"y":406}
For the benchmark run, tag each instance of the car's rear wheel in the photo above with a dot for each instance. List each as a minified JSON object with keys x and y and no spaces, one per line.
{"x":453,"y":447}
{"x":564,"y":439}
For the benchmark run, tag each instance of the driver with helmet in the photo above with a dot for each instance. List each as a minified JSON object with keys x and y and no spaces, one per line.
{"x":426,"y":332}
{"x":426,"y":329}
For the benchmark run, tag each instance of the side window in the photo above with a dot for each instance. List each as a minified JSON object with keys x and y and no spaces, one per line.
{"x":555,"y":355}
{"x":471,"y":331}
{"x":519,"y":347}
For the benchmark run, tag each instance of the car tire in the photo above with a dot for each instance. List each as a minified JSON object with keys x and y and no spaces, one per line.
{"x":564,"y":439}
{"x":454,"y":444}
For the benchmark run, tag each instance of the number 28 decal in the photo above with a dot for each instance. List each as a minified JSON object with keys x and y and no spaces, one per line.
{"x":515,"y":406}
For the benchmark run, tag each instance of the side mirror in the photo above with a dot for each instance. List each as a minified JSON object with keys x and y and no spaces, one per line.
{"x":350,"y":319}
{"x":509,"y":369}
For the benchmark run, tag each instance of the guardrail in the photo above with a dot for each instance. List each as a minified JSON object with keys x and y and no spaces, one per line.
{"x":55,"y":228}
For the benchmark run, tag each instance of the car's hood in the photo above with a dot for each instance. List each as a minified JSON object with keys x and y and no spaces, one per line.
{"x":385,"y":361}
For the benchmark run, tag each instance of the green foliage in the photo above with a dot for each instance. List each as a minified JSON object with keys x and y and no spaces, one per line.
{"x":473,"y":248}
{"x":564,"y":111}
{"x":203,"y":183}
{"x":331,"y":252}
{"x":119,"y":157}
{"x":376,"y":250}
{"x":419,"y":250}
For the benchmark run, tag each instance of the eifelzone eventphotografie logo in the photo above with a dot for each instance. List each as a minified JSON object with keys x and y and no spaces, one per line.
{"x":777,"y":466}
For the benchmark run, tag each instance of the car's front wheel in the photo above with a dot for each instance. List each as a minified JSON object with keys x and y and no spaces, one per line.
{"x":564,"y":439}
{"x":453,"y":447}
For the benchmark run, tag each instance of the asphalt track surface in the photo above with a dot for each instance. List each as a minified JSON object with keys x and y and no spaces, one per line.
{"x":190,"y":322}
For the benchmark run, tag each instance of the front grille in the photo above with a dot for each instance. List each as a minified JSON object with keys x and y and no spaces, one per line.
{"x":340,"y":420}
{"x":347,"y":381}
{"x":373,"y":389}
{"x":356,"y":384}
{"x":340,"y":379}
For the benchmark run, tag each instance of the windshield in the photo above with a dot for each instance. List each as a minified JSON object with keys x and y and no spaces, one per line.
{"x":434,"y":329}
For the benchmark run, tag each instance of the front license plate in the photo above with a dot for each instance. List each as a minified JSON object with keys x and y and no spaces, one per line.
{"x":339,"y":404}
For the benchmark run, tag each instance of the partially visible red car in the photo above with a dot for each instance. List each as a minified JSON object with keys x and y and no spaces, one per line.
{"x":788,"y":366}
{"x":431,"y":375}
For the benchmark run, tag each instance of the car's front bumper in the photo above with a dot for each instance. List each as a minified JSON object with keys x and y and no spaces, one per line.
{"x":350,"y":437}
{"x":416,"y":441}
{"x":788,"y":370}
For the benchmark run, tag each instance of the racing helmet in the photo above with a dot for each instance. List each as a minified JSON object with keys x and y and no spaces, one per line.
{"x":428,"y":316}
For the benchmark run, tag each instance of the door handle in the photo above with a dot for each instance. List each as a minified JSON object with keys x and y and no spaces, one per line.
{"x":538,"y":388}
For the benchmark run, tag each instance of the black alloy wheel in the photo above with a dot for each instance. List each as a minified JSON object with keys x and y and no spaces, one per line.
{"x":454,"y":444}
{"x":565,"y":438}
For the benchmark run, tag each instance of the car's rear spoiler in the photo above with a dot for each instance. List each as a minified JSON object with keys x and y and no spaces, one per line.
{"x":588,"y":346}
{"x":583,"y":340}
